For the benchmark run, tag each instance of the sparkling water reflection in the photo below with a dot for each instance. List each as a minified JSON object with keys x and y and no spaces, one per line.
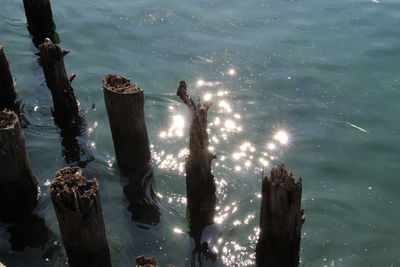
{"x":310,"y":83}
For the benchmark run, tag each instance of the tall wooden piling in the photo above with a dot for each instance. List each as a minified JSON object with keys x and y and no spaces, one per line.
{"x":125,"y":108}
{"x":281,"y":220}
{"x":8,"y":94}
{"x":66,"y":110}
{"x":200,"y":184}
{"x":124,"y":103}
{"x":40,"y":20}
{"x":18,"y":186}
{"x":77,"y":205}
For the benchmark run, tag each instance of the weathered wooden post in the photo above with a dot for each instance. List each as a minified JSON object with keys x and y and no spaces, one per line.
{"x":66,"y":110}
{"x":18,"y":186}
{"x":143,"y":261}
{"x":124,"y":103}
{"x":200,"y":184}
{"x":125,"y":108}
{"x":40,"y":20}
{"x":77,"y":205}
{"x":8,"y":94}
{"x":281,"y":219}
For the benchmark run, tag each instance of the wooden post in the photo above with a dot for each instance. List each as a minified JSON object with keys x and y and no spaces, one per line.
{"x":124,"y":102}
{"x":40,"y":20}
{"x":200,"y":184}
{"x":66,"y":110}
{"x":281,"y":219}
{"x":18,"y":186}
{"x":8,"y":94}
{"x":77,"y":205}
{"x":142,"y":261}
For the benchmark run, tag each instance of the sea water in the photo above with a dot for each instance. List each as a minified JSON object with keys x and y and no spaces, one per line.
{"x":311,"y":83}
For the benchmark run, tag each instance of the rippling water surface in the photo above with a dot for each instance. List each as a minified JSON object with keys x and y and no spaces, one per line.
{"x":312,"y":83}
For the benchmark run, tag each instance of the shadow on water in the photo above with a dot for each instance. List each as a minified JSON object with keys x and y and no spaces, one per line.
{"x":76,"y":149}
{"x":31,"y":231}
{"x":142,"y":199}
{"x":203,"y":238}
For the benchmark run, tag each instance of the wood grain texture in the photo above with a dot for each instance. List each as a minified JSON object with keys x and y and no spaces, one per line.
{"x":8,"y":94}
{"x":281,"y":220}
{"x":124,"y":102}
{"x":200,"y":184}
{"x":79,"y":213}
{"x":40,"y":20}
{"x":18,"y":186}
{"x":66,"y":110}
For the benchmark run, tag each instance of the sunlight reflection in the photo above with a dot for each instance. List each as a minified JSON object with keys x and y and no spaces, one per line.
{"x":92,"y":127}
{"x":201,"y":83}
{"x":176,"y":128}
{"x":207,"y":97}
{"x":230,"y":124}
{"x":264,"y":162}
{"x":178,"y":231}
{"x":225,"y":106}
{"x":282,"y":137}
{"x":241,"y":157}
{"x":271,"y":146}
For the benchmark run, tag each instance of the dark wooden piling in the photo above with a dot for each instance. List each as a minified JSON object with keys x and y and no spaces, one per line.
{"x":8,"y":94}
{"x":281,"y":220}
{"x":40,"y":20}
{"x":18,"y":186}
{"x":200,"y":184}
{"x":124,"y":102}
{"x":66,"y":110}
{"x":125,"y":108}
{"x":77,"y":205}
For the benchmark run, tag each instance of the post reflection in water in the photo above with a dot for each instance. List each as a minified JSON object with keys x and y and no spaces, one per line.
{"x":142,"y":199}
{"x":31,"y":231}
{"x":76,"y":149}
{"x":236,"y":155}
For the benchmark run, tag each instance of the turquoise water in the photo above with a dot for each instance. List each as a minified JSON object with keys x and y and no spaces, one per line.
{"x":324,"y":74}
